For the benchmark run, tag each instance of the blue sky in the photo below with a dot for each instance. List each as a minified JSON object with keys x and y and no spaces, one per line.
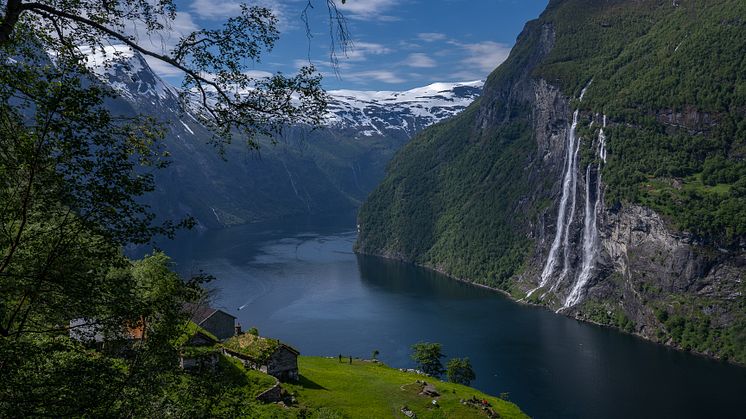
{"x":398,"y":44}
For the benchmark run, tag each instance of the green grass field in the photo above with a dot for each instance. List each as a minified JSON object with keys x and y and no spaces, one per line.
{"x":372,"y":390}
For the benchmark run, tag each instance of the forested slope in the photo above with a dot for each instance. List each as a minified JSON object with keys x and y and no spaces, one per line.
{"x":630,"y":212}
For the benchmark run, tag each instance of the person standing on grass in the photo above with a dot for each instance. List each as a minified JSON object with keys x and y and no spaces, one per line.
{"x":350,"y":359}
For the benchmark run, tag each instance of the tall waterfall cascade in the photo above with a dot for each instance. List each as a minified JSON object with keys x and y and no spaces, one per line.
{"x":567,"y":182}
{"x":569,"y":185}
{"x":593,"y":205}
{"x":591,"y":239}
{"x":566,"y":241}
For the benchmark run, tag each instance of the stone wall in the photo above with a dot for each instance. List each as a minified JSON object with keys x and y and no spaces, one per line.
{"x":283,"y":364}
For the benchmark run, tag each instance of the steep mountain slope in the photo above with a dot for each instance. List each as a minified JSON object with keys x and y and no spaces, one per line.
{"x":601,"y":174}
{"x":309,"y":171}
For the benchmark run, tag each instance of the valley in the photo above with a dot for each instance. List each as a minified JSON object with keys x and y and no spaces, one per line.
{"x":297,"y":280}
{"x":373,"y":208}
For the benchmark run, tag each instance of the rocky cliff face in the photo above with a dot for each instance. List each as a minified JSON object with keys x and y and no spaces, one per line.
{"x":529,"y":190}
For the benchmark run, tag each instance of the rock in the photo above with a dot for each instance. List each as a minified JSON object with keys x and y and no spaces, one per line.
{"x":408,"y":413}
{"x":429,"y":390}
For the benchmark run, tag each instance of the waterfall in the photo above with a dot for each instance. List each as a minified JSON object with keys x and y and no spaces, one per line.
{"x":602,"y":144}
{"x":561,"y":212}
{"x":569,"y":186}
{"x":590,"y":228}
{"x":585,"y":89}
{"x":566,"y":242}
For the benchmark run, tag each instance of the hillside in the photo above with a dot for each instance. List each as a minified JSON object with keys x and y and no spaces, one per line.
{"x":601,"y":174}
{"x":328,"y":389}
{"x":304,"y":171}
{"x":372,"y":390}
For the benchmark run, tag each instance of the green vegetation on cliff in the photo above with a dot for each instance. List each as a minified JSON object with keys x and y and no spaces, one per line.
{"x":672,"y":80}
{"x":475,"y":196}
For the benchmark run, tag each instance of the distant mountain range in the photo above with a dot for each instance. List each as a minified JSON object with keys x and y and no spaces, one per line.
{"x":328,"y":169}
{"x":391,"y":112}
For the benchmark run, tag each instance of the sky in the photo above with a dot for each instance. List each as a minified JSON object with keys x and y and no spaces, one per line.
{"x":397,"y":44}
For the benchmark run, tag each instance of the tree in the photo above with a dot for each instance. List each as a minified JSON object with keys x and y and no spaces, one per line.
{"x":71,"y":173}
{"x":214,"y":62}
{"x":459,"y":371}
{"x":427,"y":356}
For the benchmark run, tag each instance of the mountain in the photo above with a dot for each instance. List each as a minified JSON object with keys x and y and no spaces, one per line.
{"x":396,"y":113}
{"x":601,"y":174}
{"x":309,"y":171}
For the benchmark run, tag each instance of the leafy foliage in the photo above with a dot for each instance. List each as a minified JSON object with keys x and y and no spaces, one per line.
{"x":227,"y":391}
{"x":214,"y":61}
{"x":459,"y":371}
{"x":427,"y":356}
{"x":46,"y":372}
{"x":254,"y":346}
{"x":85,"y":332}
{"x":688,"y":322}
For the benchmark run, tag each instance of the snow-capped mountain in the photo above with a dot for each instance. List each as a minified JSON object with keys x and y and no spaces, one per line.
{"x":128,"y":73}
{"x":368,"y":112}
{"x":309,"y":171}
{"x":409,"y":111}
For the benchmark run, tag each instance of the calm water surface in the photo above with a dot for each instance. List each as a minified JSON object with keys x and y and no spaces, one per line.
{"x":300,"y":282}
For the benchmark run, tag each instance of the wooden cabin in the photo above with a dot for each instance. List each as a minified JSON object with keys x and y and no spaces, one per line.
{"x":269,"y":356}
{"x":215,"y":321}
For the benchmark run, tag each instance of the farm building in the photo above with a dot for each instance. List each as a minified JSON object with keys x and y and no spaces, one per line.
{"x":215,"y":321}
{"x":266,"y":355}
{"x":198,"y":348}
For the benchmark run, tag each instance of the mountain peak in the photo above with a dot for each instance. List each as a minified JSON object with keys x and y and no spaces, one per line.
{"x":367,"y":113}
{"x":378,"y":112}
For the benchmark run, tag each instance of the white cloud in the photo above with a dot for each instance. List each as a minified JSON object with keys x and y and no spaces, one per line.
{"x":485,"y":56}
{"x":420,"y":60}
{"x":369,"y":9}
{"x":431,"y":36}
{"x":319,"y":64}
{"x":408,"y":45}
{"x":162,"y":42}
{"x":216,"y":9}
{"x":467,"y":75}
{"x":258,"y":74}
{"x":165,"y":40}
{"x":219,"y":10}
{"x":361,"y":50}
{"x":384,"y":76}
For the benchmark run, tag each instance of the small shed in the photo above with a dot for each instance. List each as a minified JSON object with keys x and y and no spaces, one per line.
{"x":215,"y":321}
{"x":197,"y":348}
{"x":283,"y":363}
{"x":269,"y":356}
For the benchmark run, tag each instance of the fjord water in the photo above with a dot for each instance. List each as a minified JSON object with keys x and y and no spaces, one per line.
{"x":299,"y":281}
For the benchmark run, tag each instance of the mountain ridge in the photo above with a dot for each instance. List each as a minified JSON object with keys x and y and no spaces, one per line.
{"x":308,"y":171}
